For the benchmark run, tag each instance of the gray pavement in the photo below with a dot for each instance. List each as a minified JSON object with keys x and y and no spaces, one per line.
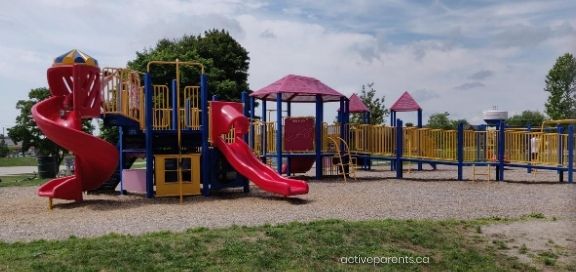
{"x":20,"y":170}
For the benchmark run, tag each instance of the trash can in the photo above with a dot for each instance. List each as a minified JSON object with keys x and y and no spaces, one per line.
{"x":46,"y":167}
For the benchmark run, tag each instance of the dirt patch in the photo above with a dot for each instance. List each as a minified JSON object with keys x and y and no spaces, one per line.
{"x":546,"y":244}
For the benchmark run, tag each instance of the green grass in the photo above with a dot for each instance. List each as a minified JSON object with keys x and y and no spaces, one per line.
{"x":20,"y":180}
{"x":450,"y":245}
{"x":21,"y":161}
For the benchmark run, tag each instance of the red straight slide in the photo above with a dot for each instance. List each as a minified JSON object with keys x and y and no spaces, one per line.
{"x":244,"y":161}
{"x":227,"y":115}
{"x":96,"y":159}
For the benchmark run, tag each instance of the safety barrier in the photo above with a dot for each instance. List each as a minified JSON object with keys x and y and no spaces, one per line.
{"x":190,"y":108}
{"x":458,"y":147}
{"x":161,"y":108}
{"x":373,"y":139}
{"x":122,"y":93}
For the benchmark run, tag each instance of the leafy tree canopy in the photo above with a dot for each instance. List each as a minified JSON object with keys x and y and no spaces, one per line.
{"x":441,"y":121}
{"x":226,"y":62}
{"x":526,"y":118}
{"x":29,"y":135}
{"x":561,"y":86}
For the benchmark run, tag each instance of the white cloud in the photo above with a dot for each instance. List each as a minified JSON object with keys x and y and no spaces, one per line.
{"x":427,"y":49}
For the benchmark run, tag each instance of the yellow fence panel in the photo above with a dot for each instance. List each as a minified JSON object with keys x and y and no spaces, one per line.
{"x":161,"y":108}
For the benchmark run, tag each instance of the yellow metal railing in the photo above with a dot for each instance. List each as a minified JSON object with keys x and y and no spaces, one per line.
{"x":433,"y":144}
{"x":122,"y":93}
{"x":523,"y":147}
{"x":271,"y":137}
{"x":257,"y":145}
{"x":328,"y":131}
{"x":161,"y":108}
{"x":480,"y":146}
{"x":191,"y":98}
{"x":374,"y":139}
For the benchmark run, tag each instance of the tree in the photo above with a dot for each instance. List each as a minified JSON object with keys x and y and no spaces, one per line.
{"x":26,"y":131}
{"x":526,"y":118}
{"x":439,"y":121}
{"x":561,"y":86}
{"x":454,"y":123}
{"x":109,"y":133}
{"x":226,"y":62}
{"x":378,"y":110}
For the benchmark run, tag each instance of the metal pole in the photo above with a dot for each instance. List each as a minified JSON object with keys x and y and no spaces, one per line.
{"x":279,"y":133}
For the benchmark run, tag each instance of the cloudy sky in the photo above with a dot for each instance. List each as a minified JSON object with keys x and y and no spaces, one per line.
{"x":457,"y":56}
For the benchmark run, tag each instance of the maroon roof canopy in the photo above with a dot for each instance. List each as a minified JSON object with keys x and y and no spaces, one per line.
{"x":298,"y":89}
{"x":405,"y":103}
{"x":356,"y":104}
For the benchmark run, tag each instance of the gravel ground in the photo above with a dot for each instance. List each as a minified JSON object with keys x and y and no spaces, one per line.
{"x":377,"y":195}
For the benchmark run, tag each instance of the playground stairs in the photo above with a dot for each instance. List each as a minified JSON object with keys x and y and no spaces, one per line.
{"x":477,"y":172}
{"x":343,"y":160}
{"x":110,"y":185}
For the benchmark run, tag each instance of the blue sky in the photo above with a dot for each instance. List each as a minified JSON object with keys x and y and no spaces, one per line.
{"x":462,"y":57}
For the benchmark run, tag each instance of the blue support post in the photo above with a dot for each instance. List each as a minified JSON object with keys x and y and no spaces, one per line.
{"x":392,"y":124}
{"x":246,"y":101}
{"x":205,"y":160}
{"x":279,"y":133}
{"x":252,"y":136}
{"x":460,"y":150}
{"x":529,"y":169}
{"x":560,"y":154}
{"x":501,"y":151}
{"x":341,"y":112}
{"x":214,"y":97}
{"x":346,"y":118}
{"x":121,"y":159}
{"x":570,"y":153}
{"x":318,"y":135}
{"x":288,"y":160}
{"x":419,"y":124}
{"x":264,"y":131}
{"x":399,"y":149}
{"x":245,"y":108}
{"x":149,"y":130}
{"x":174,"y":105}
{"x":343,"y":125}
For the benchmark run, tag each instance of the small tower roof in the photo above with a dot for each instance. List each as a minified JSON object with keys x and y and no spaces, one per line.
{"x":405,"y":103}
{"x":75,"y":56}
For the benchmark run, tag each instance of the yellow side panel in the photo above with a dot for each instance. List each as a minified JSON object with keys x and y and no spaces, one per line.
{"x":167,"y":173}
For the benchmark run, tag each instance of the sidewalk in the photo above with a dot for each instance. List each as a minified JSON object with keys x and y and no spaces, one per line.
{"x":19,"y":170}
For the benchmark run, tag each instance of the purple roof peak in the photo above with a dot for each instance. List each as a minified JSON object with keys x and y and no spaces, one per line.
{"x":297,"y":88}
{"x":405,"y":103}
{"x":357,"y":105}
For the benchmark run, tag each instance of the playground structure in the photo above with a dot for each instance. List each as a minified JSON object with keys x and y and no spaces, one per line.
{"x":495,"y":148}
{"x":193,"y":146}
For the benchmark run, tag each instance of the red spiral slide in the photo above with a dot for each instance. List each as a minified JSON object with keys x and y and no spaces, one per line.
{"x":60,"y":118}
{"x":228,"y":114}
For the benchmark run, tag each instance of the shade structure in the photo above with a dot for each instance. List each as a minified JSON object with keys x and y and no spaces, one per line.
{"x":295,"y":88}
{"x":405,"y":103}
{"x":75,"y":56}
{"x":356,"y":105}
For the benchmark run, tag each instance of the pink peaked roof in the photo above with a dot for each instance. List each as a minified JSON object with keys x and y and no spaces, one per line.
{"x":405,"y":103}
{"x":356,"y":104}
{"x":298,"y":89}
